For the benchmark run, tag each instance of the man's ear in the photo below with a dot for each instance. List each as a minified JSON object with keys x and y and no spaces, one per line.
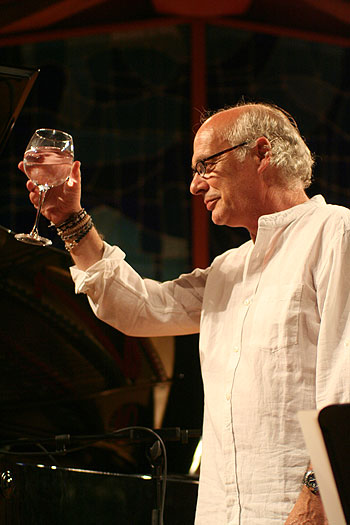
{"x":263,"y":148}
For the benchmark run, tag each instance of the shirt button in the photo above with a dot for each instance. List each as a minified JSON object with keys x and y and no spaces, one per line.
{"x":228,"y":396}
{"x":236,"y":348}
{"x":346,"y":342}
{"x":247,"y":302}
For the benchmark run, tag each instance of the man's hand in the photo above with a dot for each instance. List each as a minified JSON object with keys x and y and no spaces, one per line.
{"x":62,"y":201}
{"x":308,"y":510}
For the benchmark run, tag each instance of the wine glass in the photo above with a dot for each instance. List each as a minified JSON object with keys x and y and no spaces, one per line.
{"x":47,"y":162}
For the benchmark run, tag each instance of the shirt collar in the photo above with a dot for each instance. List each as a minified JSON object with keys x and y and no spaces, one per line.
{"x":285,"y":217}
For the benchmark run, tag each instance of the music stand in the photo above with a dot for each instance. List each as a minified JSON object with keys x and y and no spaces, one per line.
{"x":326,"y":433}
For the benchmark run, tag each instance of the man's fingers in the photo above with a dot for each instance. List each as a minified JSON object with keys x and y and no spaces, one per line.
{"x":74,"y":177}
{"x":34,"y":198}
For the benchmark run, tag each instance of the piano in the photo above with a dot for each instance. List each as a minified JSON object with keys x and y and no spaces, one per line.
{"x":68,"y":381}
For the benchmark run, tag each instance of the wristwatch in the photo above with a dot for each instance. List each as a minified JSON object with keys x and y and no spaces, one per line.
{"x":311,"y":483}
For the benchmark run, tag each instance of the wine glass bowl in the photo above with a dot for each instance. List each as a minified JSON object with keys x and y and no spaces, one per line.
{"x":47,"y":162}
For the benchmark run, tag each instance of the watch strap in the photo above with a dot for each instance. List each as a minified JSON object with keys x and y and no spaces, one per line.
{"x":310,"y":482}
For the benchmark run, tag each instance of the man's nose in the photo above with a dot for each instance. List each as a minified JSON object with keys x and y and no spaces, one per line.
{"x":198,"y":185}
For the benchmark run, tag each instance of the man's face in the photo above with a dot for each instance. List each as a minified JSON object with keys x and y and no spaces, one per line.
{"x":231,"y":192}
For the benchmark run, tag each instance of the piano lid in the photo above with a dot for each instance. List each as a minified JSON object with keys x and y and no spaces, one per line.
{"x":15,"y":86}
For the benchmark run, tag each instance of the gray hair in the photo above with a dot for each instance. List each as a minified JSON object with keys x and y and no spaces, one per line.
{"x":289,"y":152}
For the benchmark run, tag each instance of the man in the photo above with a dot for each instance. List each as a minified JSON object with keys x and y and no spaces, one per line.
{"x":272,"y":314}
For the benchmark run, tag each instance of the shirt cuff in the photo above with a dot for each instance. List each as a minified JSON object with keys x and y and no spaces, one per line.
{"x":104,"y":268}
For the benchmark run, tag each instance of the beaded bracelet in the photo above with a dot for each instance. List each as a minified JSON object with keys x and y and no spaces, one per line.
{"x":72,"y":241}
{"x":74,"y":229}
{"x":72,"y":220}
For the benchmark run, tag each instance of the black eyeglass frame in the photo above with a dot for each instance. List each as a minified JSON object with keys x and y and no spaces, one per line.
{"x":202,"y":162}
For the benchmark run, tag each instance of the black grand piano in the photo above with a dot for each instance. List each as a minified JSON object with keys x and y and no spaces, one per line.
{"x":68,"y":382}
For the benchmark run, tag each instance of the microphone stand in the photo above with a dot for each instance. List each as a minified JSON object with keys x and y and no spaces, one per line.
{"x":156,"y":459}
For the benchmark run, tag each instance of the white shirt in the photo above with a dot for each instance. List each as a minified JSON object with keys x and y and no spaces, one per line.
{"x":274,"y":339}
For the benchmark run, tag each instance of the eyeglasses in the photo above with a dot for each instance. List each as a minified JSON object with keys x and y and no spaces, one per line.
{"x":201,"y":166}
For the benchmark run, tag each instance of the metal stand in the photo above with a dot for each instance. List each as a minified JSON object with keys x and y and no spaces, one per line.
{"x":156,"y":460}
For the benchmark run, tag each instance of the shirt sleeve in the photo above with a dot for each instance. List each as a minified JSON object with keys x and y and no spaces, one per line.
{"x":119,"y":296}
{"x":333,"y":301}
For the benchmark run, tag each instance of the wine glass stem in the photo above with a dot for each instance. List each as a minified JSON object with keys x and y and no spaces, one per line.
{"x":42,"y":193}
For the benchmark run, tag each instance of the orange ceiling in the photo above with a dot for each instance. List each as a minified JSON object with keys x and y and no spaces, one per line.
{"x":21,"y":20}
